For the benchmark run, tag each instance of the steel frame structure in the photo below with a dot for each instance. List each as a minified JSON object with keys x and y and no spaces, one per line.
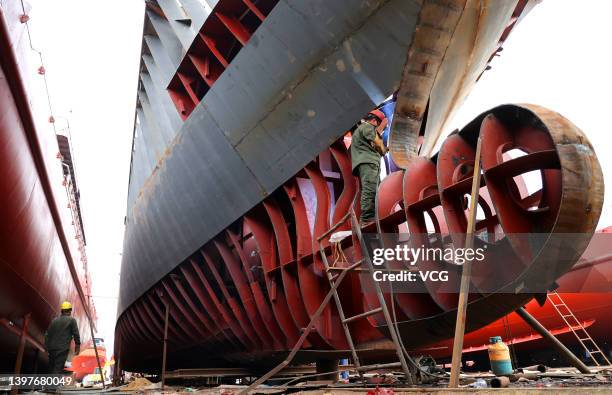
{"x":245,"y":296}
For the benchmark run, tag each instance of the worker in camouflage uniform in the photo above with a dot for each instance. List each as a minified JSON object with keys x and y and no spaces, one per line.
{"x":58,"y":337}
{"x":367,"y":148}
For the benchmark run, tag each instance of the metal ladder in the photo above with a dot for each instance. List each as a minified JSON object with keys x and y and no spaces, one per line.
{"x":334,"y":281}
{"x":356,"y":230}
{"x":576,"y":327}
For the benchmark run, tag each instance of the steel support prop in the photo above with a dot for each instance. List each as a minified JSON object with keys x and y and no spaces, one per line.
{"x":163,"y":372}
{"x":560,"y":347}
{"x":116,"y":375}
{"x":95,"y":347}
{"x":21,"y":347}
{"x":466,"y":271}
{"x":22,"y":342}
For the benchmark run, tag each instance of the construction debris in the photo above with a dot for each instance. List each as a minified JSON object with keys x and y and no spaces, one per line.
{"x":140,"y":383}
{"x":561,"y":380}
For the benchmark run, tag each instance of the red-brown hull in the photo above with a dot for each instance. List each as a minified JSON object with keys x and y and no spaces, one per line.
{"x":592,"y":307}
{"x":39,"y":257}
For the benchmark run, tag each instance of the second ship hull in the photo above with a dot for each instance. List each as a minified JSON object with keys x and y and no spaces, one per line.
{"x":40,"y":257}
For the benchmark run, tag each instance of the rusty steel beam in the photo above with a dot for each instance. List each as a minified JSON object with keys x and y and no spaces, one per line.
{"x":22,"y":343}
{"x":436,"y":27}
{"x":553,"y":341}
{"x":165,"y":346}
{"x":10,"y":326}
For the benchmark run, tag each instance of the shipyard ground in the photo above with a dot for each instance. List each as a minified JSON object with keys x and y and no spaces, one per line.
{"x":225,"y":390}
{"x":553,"y":381}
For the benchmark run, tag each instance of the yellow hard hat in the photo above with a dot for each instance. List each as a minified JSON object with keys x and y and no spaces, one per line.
{"x":66,"y":306}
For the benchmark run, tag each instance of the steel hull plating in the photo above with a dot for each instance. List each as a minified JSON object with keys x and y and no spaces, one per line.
{"x":303,"y":79}
{"x":38,"y":253}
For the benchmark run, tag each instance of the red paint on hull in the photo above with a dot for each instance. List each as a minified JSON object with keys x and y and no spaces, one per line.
{"x":592,"y":308}
{"x":39,"y":254}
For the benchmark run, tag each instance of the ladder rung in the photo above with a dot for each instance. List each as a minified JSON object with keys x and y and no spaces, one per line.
{"x":362,"y":315}
{"x":352,"y":267}
{"x":579,"y":325}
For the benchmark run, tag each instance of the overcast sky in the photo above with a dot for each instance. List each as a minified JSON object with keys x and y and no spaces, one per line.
{"x":558,"y":57}
{"x":91,"y":51}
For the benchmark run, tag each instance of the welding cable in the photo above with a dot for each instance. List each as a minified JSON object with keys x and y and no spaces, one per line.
{"x":401,"y":342}
{"x":409,"y":359}
{"x":395,"y":323}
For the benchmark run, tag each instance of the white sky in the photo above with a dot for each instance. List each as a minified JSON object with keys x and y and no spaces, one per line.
{"x":558,"y":57}
{"x":91,"y":51}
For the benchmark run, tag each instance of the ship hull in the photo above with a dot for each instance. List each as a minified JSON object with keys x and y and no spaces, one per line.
{"x":232,"y":184}
{"x":37,"y":260}
{"x":248,"y":291}
{"x":306,"y":75}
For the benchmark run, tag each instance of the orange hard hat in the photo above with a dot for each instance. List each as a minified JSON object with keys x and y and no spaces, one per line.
{"x":378,"y":114}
